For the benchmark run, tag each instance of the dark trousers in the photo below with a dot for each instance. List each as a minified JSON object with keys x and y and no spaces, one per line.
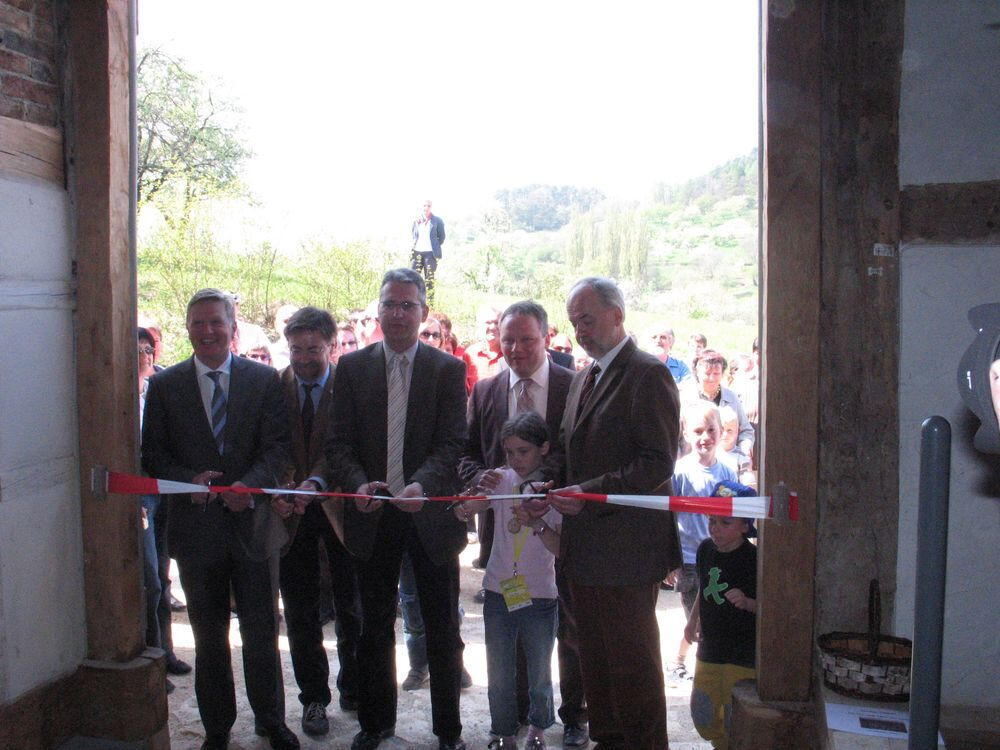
{"x":620,"y":658}
{"x":437,"y":586}
{"x":573,"y":701}
{"x":163,"y":614}
{"x":300,"y":573}
{"x":207,"y":588}
{"x":426,"y":265}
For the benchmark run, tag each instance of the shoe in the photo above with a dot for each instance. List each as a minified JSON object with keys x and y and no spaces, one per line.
{"x":679,"y":672}
{"x":466,"y":679}
{"x":416,"y":680}
{"x":176,"y":666}
{"x":370,"y":740}
{"x":216,"y":742}
{"x":348,"y":703}
{"x":478,"y":564}
{"x":170,"y":687}
{"x":457,"y":744}
{"x":575,"y":735}
{"x":176,"y":605}
{"x":480,"y":596}
{"x":280,"y":737}
{"x":535,"y":743}
{"x":314,"y":719}
{"x":502,"y":743}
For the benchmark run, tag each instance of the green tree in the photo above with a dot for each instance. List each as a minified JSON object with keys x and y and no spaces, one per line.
{"x":188,"y":142}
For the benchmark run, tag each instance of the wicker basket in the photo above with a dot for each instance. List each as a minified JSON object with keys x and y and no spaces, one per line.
{"x":868,"y":665}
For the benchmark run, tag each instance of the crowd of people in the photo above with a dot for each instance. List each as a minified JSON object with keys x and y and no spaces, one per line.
{"x":391,"y":408}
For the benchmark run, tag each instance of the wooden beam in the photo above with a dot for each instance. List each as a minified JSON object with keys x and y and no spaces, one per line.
{"x":790,"y":313}
{"x":858,"y":488}
{"x":954,"y":212}
{"x":31,"y":150}
{"x":98,"y":140}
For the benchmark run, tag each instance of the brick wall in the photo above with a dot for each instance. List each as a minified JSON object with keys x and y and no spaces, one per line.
{"x":28,"y":75}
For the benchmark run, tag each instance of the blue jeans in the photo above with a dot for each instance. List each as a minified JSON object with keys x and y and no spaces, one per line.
{"x":536,"y":627}
{"x":413,"y":621}
{"x":150,"y":571}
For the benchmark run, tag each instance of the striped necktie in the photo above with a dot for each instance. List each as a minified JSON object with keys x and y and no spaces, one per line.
{"x":588,"y":388}
{"x":218,"y":410}
{"x":398,"y":398}
{"x":524,"y":400}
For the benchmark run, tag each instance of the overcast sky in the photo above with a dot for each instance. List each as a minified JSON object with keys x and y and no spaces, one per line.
{"x":357,"y":111}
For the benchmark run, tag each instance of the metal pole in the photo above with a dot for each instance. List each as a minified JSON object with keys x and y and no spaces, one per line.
{"x":931,"y":568}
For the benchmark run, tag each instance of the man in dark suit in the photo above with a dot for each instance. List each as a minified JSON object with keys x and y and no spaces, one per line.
{"x":398,"y":430}
{"x":307,"y":384}
{"x":620,"y":433}
{"x":219,"y":418}
{"x":532,"y":383}
{"x":428,"y":235}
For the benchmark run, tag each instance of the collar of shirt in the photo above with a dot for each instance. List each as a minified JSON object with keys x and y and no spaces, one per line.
{"x":320,"y":381}
{"x":201,"y":368}
{"x":539,"y":377}
{"x":410,"y":355}
{"x":605,"y":362}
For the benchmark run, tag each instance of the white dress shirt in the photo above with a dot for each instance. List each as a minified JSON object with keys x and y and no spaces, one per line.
{"x":539,"y":389}
{"x":207,"y":387}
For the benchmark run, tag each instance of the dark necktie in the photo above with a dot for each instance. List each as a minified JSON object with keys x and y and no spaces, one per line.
{"x":588,"y":388}
{"x":218,"y":410}
{"x":308,"y":413}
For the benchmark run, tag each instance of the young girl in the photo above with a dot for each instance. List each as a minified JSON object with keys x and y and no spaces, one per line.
{"x":520,"y":583}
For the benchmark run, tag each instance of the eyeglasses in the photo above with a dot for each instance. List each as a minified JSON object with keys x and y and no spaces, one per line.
{"x":259,"y":357}
{"x":430,"y":335}
{"x":406,"y":306}
{"x":147,"y":350}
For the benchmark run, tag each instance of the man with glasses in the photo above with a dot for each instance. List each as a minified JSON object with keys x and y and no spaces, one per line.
{"x":308,"y":387}
{"x":398,"y":429}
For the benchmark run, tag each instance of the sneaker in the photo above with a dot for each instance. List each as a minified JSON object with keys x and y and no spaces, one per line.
{"x":575,"y":735}
{"x":679,"y":672}
{"x":480,"y":596}
{"x":416,"y":680}
{"x":466,"y":679}
{"x":314,"y":719}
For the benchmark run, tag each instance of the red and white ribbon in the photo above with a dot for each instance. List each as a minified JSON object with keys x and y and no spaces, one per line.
{"x":739,"y":507}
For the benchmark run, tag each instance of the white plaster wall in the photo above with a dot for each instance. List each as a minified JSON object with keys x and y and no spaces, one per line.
{"x":949,"y":118}
{"x":938,"y":286}
{"x":42,"y":623}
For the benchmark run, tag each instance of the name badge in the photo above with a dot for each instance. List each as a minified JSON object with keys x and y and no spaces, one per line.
{"x":515,"y":593}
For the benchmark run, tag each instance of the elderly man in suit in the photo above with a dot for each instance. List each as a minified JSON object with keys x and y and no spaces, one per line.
{"x":308,"y":388}
{"x":532,"y":383}
{"x":219,"y":418}
{"x":620,"y":434}
{"x":398,"y":430}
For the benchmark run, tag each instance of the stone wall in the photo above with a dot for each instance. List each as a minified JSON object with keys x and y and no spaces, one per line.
{"x":28,"y":69}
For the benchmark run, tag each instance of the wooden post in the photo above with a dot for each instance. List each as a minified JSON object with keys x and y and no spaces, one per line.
{"x":98,"y":139}
{"x":790,"y":270}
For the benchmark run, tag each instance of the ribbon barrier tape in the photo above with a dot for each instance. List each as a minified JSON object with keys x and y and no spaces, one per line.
{"x":740,"y":507}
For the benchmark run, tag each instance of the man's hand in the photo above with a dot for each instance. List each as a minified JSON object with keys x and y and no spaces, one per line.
{"x":302,"y":501}
{"x":568,"y":506}
{"x":740,"y":600}
{"x":281,"y":505}
{"x":204,"y":477}
{"x":404,"y":502}
{"x":672,"y":576}
{"x":237,"y":501}
{"x":367,"y":504}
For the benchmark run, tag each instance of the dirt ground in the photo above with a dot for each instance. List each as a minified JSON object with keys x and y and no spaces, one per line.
{"x":413,"y":719}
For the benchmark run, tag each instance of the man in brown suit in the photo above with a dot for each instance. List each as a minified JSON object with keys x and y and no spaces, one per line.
{"x":307,"y":384}
{"x":620,"y":433}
